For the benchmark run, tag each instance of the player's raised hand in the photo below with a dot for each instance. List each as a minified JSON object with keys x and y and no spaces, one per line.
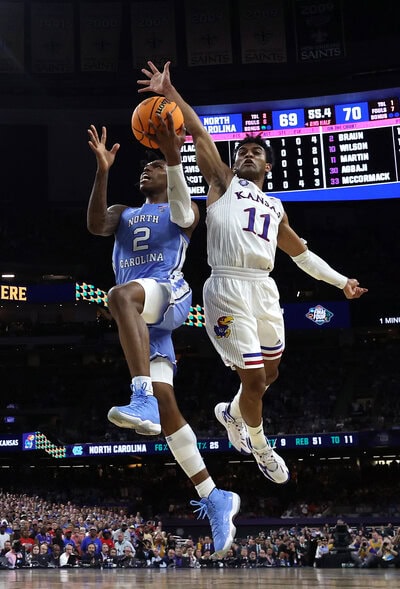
{"x":169,"y":140}
{"x":105,"y":157}
{"x":158,"y":82}
{"x":352,"y":290}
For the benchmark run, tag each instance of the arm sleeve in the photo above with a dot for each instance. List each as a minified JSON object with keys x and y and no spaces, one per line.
{"x":319,"y":269}
{"x":180,"y":203}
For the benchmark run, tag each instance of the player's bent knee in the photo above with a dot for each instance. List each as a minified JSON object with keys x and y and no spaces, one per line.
{"x":124,"y":295}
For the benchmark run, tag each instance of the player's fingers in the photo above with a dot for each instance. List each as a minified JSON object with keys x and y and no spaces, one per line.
{"x":146,"y":73}
{"x":152,"y":67}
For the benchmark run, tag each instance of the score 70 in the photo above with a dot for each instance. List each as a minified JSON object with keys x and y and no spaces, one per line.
{"x":346,"y":113}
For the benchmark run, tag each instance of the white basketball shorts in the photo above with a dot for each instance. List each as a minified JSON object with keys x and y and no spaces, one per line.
{"x":243,"y":316}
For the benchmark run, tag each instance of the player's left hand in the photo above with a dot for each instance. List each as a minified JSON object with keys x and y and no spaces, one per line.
{"x":352,"y":290}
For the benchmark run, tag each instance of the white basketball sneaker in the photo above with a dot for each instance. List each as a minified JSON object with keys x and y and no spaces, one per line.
{"x":236,"y":428}
{"x":271,"y":464}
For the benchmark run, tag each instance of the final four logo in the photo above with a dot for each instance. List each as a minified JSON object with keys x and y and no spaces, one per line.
{"x":319,"y":315}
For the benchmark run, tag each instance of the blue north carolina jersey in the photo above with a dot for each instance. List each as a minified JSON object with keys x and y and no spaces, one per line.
{"x":149,"y":245}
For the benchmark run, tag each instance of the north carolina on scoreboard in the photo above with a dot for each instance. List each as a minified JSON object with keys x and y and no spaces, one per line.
{"x":343,"y":147}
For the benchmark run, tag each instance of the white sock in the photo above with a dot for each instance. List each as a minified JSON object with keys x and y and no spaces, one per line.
{"x":205,"y":488}
{"x":183,"y":445}
{"x":235,"y":410}
{"x":144,"y":382}
{"x":257,"y":436}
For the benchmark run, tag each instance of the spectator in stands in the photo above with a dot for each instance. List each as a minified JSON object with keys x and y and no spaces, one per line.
{"x":68,"y":538}
{"x":124,"y":530}
{"x":105,"y":554}
{"x":43,"y":535}
{"x":387,"y":555}
{"x":44,"y":556}
{"x":55,"y":554}
{"x":156,"y":561}
{"x":34,"y":557}
{"x":92,"y":538}
{"x":91,"y":558}
{"x":121,"y":543}
{"x":6,"y":548}
{"x":230,"y":560}
{"x":58,"y":538}
{"x":106,"y":538}
{"x":69,"y":557}
{"x":4,"y":535}
{"x":169,"y":558}
{"x":16,"y":556}
{"x":26,"y":541}
{"x":266,"y":558}
{"x":321,"y":551}
{"x":127,"y":559}
{"x":160,"y":543}
{"x":208,"y":544}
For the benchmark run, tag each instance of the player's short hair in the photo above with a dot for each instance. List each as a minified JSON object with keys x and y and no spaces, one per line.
{"x":269,"y":154}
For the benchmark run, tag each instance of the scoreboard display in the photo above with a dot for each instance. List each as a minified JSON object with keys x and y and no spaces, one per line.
{"x":344,"y":147}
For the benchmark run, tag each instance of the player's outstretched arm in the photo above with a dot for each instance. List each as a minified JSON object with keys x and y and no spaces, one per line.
{"x":306,"y":260}
{"x":208,"y":158}
{"x":100,"y":219}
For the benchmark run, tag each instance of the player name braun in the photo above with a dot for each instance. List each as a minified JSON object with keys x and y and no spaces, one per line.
{"x":138,"y":260}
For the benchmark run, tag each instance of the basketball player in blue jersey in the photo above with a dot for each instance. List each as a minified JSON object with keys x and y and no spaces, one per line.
{"x":241,"y":301}
{"x":150,"y":299}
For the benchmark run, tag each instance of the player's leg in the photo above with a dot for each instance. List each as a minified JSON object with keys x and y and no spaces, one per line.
{"x":220,"y":506}
{"x":240,"y":348}
{"x":133,"y":305}
{"x":221,"y":326}
{"x":270,"y":331}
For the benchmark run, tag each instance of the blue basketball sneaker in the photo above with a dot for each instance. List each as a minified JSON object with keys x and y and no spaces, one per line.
{"x":220,"y":507}
{"x":142,"y":413}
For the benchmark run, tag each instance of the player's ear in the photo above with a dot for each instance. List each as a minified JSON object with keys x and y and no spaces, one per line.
{"x":268,"y":167}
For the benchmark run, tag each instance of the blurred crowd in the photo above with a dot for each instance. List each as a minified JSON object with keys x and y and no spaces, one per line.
{"x":35,"y":533}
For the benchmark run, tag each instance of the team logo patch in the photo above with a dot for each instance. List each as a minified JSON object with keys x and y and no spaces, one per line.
{"x":162,"y":208}
{"x":222,"y":329}
{"x":243,"y":182}
{"x":319,"y":315}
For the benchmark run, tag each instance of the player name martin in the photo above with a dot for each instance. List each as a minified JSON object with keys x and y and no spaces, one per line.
{"x":138,"y":260}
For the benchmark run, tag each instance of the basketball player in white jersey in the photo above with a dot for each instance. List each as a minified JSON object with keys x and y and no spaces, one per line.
{"x":150,"y":299}
{"x":241,"y":301}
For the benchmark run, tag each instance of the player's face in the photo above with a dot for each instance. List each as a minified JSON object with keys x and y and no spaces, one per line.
{"x":153,"y":179}
{"x":250,"y":162}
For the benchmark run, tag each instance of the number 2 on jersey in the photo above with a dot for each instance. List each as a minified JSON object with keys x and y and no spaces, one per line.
{"x":141,"y":234}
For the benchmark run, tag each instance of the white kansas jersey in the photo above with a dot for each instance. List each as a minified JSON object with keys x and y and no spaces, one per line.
{"x":242,"y":227}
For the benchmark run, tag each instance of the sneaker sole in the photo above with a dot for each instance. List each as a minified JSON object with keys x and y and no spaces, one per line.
{"x":126,"y":421}
{"x":220,"y":418}
{"x":232,"y":529}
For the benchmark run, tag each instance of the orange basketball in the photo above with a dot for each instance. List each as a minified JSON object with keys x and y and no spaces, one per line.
{"x":147,"y":110}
